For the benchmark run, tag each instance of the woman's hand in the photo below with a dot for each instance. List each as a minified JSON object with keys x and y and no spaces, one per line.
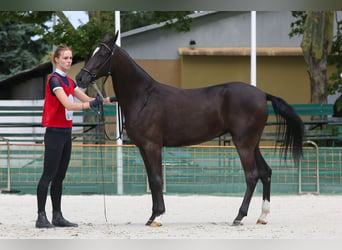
{"x":109,"y":100}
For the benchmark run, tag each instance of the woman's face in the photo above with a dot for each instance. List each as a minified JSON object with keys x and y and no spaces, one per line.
{"x":63,"y":62}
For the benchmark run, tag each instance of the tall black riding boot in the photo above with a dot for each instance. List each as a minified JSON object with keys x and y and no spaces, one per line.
{"x":59,"y":221}
{"x":42,"y":221}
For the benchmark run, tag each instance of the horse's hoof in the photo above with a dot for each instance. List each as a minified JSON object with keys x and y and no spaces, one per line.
{"x":237,"y":223}
{"x":261,"y":222}
{"x":156,"y":224}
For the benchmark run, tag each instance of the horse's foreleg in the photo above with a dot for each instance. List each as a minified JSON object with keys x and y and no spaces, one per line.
{"x":153,"y":164}
{"x":158,"y":207}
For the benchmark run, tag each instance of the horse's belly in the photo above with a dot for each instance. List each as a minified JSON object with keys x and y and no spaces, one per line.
{"x":187,"y":137}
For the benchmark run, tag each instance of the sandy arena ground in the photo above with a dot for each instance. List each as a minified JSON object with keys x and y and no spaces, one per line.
{"x":187,"y":217}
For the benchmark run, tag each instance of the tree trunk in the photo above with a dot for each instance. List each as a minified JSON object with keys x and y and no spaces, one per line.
{"x":316,"y":43}
{"x":316,"y":69}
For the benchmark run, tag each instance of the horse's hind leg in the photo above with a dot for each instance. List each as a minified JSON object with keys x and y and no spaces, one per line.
{"x":265,"y":173}
{"x":152,"y":157}
{"x":251,"y":174}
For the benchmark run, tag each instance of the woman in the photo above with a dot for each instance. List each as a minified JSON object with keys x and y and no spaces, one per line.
{"x":57,"y":118}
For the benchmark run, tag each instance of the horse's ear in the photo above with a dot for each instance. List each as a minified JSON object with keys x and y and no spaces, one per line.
{"x":116,"y":36}
{"x":106,"y":38}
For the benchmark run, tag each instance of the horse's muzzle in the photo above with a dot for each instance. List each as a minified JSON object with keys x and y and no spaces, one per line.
{"x":83,"y":79}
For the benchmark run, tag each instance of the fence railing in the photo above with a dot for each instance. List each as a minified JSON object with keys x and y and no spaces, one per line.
{"x":22,"y":123}
{"x":187,"y":170}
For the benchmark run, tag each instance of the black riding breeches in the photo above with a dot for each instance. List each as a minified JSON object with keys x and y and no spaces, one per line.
{"x":56,"y":160}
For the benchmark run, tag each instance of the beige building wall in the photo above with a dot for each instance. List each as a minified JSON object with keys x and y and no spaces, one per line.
{"x":164,"y":71}
{"x":280,"y":71}
{"x":75,"y":69}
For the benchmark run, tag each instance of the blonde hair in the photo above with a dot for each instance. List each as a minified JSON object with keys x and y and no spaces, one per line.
{"x":58,"y":51}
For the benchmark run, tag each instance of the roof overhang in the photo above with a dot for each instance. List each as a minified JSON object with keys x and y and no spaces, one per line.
{"x":42,"y":69}
{"x":267,"y":51}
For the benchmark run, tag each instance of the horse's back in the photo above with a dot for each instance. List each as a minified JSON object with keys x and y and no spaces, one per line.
{"x":243,"y":92}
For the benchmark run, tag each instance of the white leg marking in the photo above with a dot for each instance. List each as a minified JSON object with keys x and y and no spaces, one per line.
{"x":158,"y":219}
{"x":265,"y":210}
{"x":157,"y":222}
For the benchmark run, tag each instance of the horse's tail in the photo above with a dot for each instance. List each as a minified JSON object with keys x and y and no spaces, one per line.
{"x":290,"y":127}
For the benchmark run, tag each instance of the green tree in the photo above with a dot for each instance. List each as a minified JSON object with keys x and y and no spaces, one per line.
{"x":83,"y":40}
{"x":177,"y":20}
{"x":320,"y":48}
{"x":86,"y":37}
{"x":316,"y":45}
{"x":335,"y":58}
{"x":20,"y":48}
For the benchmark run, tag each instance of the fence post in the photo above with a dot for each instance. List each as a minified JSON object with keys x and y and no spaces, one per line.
{"x":317,"y":170}
{"x":8,"y":167}
{"x":119,"y":160}
{"x":8,"y":189}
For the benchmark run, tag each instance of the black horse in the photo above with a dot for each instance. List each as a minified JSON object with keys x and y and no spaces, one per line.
{"x":158,"y":115}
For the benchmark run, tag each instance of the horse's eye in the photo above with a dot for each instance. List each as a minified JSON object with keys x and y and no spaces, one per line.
{"x":103,"y":52}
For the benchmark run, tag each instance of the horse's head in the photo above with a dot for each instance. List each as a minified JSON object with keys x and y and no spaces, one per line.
{"x":99,"y":63}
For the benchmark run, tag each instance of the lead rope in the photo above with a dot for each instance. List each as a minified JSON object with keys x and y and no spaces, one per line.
{"x":119,"y":117}
{"x":100,"y":113}
{"x":99,"y":116}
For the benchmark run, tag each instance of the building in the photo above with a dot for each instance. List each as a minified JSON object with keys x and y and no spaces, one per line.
{"x":220,"y":53}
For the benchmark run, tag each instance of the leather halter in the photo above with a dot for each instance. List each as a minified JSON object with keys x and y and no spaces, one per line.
{"x":109,"y":58}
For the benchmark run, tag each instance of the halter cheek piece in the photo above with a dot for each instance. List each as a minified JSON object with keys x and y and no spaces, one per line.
{"x":109,"y":58}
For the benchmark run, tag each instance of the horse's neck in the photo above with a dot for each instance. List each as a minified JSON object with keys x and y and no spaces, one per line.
{"x":129,"y":71}
{"x":130,"y":81}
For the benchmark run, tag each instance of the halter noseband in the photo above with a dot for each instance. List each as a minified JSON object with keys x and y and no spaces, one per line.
{"x":109,"y":58}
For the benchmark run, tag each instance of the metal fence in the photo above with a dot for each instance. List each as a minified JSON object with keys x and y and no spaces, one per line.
{"x":114,"y":169}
